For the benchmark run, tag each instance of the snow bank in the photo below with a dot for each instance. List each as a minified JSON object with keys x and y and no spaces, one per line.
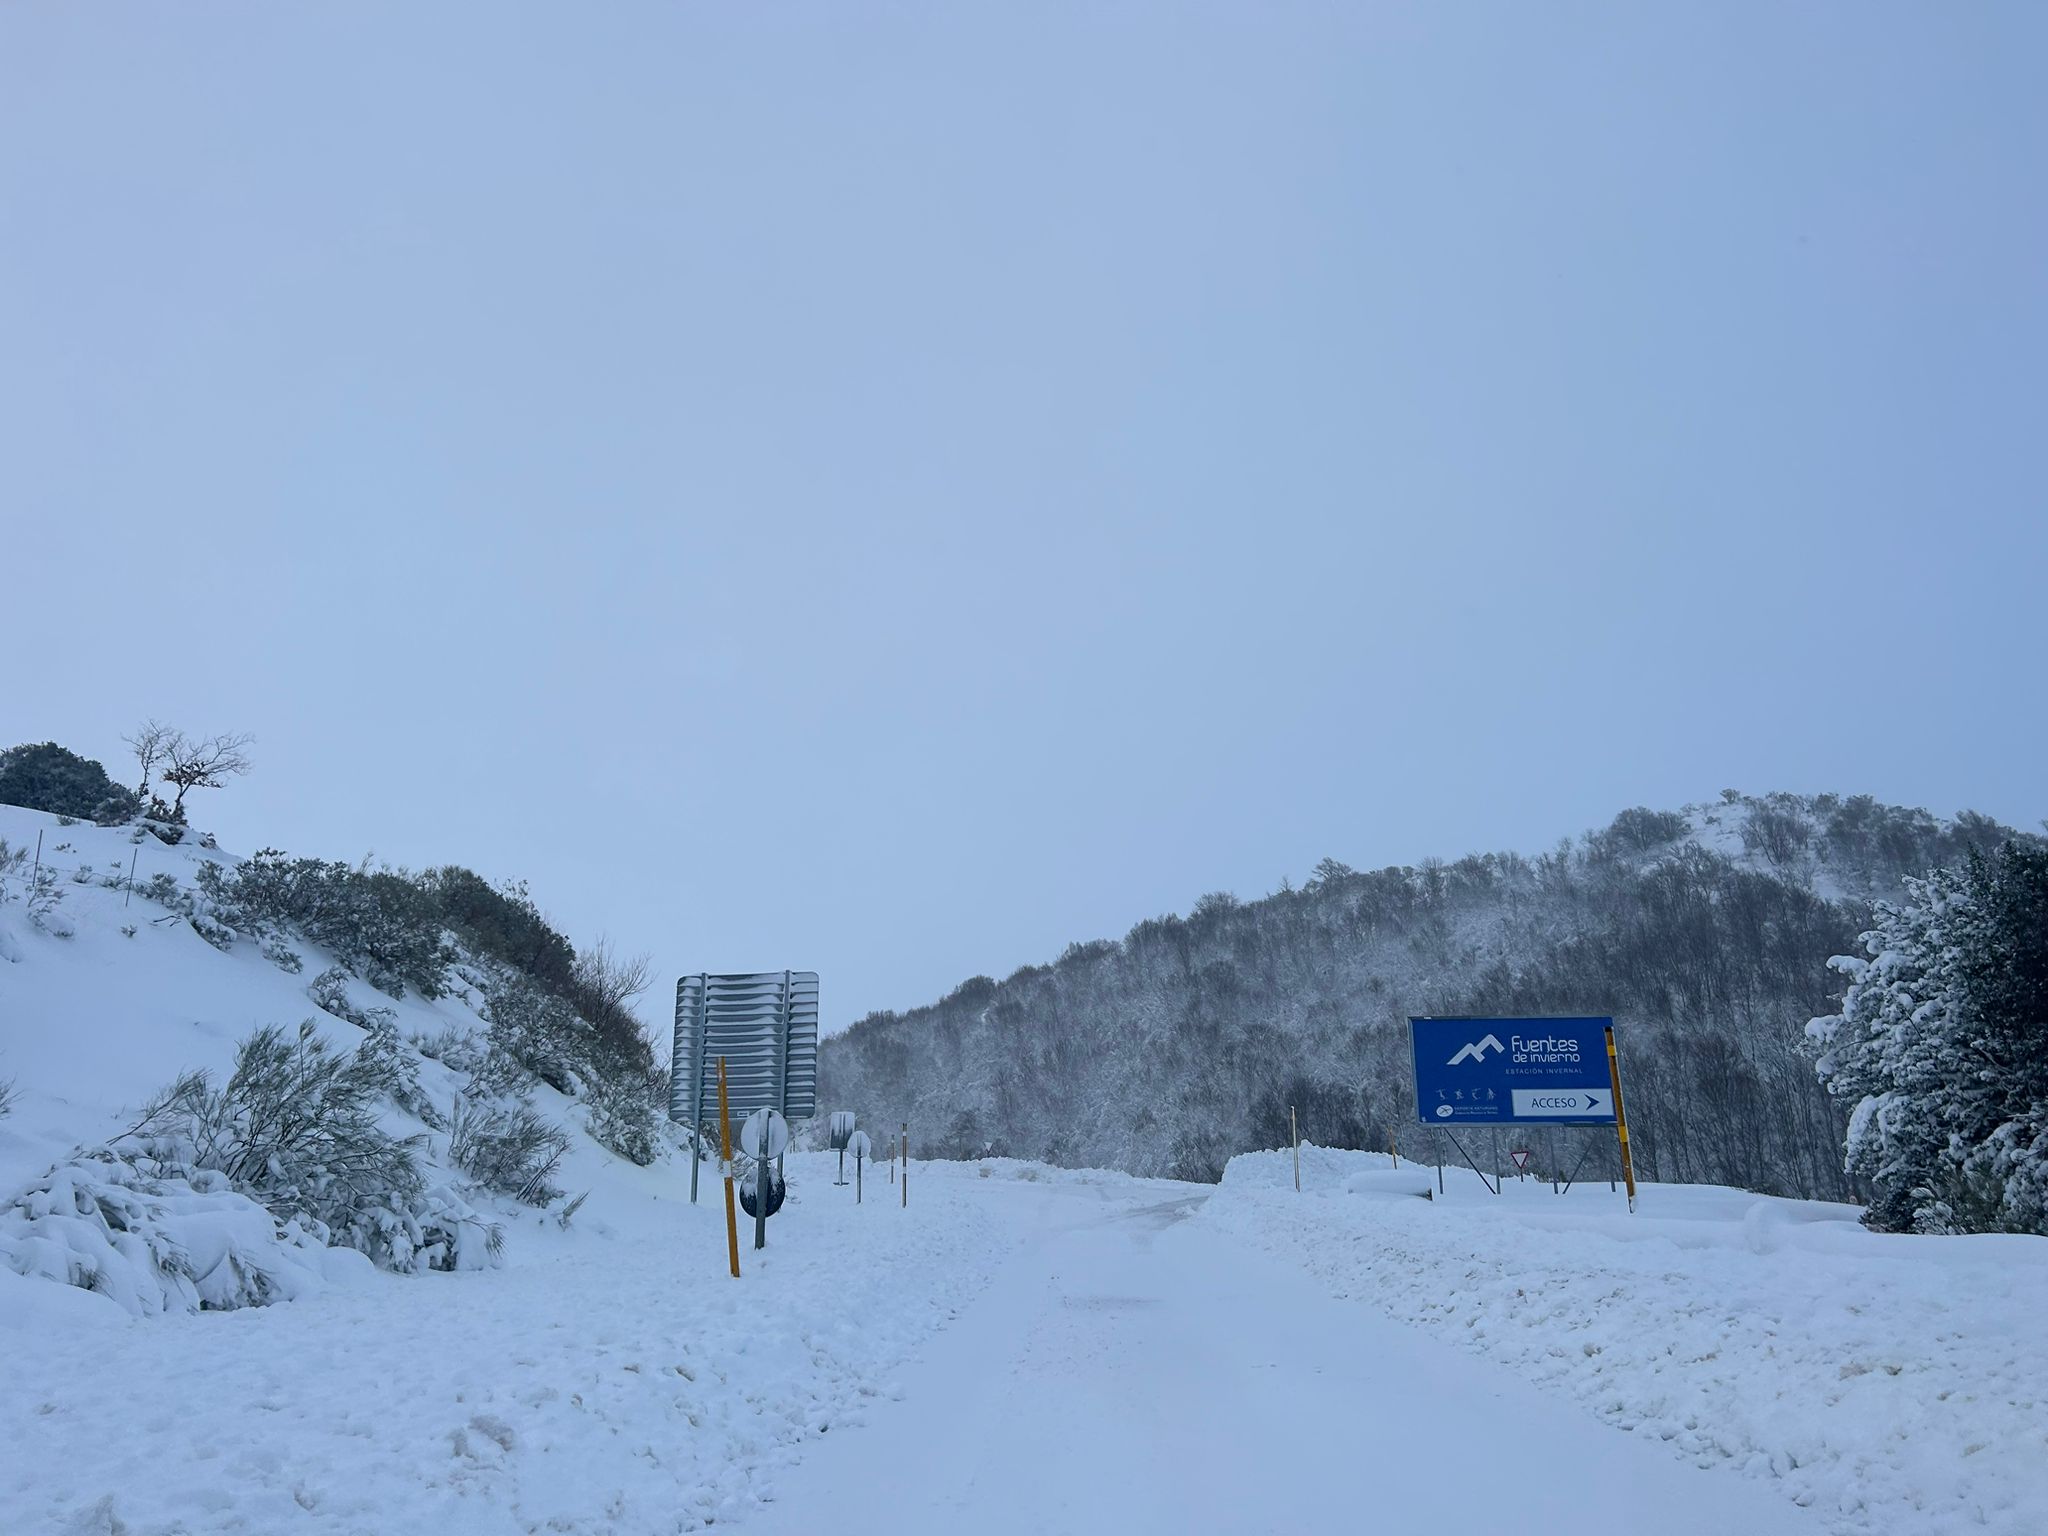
{"x":1892,"y":1384}
{"x":1028,"y":1172}
{"x":154,"y":1245}
{"x":1322,"y":1168}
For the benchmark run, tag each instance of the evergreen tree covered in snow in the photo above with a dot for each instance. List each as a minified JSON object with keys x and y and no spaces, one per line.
{"x":1942,"y":1047}
{"x":46,"y":777}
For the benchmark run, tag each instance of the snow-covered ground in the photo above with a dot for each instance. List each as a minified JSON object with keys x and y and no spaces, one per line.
{"x":613,"y":1378}
{"x":1889,"y":1384}
{"x":1021,"y":1349}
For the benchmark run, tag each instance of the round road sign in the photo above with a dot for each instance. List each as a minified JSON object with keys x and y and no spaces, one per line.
{"x":764,"y":1134}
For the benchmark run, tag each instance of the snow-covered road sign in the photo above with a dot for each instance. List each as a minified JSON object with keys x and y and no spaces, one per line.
{"x":764,"y":1134}
{"x":1509,"y":1071}
{"x":764,"y":1025}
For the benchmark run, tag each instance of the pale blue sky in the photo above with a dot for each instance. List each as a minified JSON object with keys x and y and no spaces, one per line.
{"x":895,"y":489}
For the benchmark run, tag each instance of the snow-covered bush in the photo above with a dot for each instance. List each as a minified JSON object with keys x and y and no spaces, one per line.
{"x":282,"y":955}
{"x":46,"y":777}
{"x":464,"y":1050}
{"x":1942,"y":1048}
{"x":164,"y":890}
{"x":538,"y":1031}
{"x":153,"y":1243}
{"x":508,"y":1148}
{"x":296,"y":1127}
{"x":386,"y":1057}
{"x":378,"y":923}
{"x":622,"y":1118}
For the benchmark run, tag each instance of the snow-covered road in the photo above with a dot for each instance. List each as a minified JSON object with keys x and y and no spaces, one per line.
{"x":1134,"y":1370}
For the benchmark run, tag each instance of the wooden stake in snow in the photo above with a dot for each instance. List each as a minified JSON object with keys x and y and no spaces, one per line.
{"x":1294,"y":1135}
{"x":732,"y":1215}
{"x":1628,"y":1164}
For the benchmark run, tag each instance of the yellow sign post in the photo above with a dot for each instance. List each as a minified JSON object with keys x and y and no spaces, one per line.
{"x":1628,"y":1166}
{"x":732,"y":1215}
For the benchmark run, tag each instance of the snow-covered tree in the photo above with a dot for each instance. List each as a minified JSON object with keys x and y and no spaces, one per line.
{"x":1942,"y":1048}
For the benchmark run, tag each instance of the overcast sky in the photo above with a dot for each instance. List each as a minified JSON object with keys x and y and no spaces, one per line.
{"x":896,"y":489}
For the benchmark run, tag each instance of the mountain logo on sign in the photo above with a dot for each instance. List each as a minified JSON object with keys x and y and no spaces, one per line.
{"x":1477,"y":1050}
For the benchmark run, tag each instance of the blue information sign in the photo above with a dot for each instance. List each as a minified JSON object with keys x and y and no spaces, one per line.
{"x":1512,"y":1072}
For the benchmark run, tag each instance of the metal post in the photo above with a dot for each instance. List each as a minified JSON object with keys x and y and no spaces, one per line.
{"x":131,"y":877}
{"x":697,"y":1078}
{"x":906,"y":1165}
{"x":1628,"y":1166}
{"x":1294,"y":1135}
{"x":732,"y":1215}
{"x":761,"y":1194}
{"x":856,"y":1178}
{"x":1492,"y":1187}
{"x":35,"y":878}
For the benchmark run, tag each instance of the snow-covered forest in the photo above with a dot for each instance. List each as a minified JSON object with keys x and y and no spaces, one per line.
{"x":1706,"y":932}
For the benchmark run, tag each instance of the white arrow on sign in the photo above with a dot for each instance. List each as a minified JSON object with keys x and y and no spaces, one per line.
{"x":1564,"y":1103}
{"x":764,"y":1134}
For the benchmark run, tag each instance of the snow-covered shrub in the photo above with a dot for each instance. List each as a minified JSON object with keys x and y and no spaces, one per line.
{"x":296,"y":1127}
{"x":46,"y":777}
{"x":622,"y":1118}
{"x":6,"y":1097}
{"x":164,"y":890}
{"x":1942,"y":1047}
{"x":390,"y":1060}
{"x":330,"y":991}
{"x":464,"y":1050}
{"x":508,"y":1148}
{"x":153,"y":1243}
{"x":211,"y":929}
{"x":380,"y":924}
{"x":501,"y":923}
{"x":283,"y":956}
{"x":538,"y":1031}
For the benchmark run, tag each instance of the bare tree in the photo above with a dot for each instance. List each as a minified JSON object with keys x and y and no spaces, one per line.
{"x":151,"y":742}
{"x":607,"y":981}
{"x":207,"y":764}
{"x":604,"y":987}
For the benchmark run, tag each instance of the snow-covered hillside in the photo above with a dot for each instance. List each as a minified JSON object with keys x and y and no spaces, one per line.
{"x":1705,"y":932}
{"x":107,"y":996}
{"x":608,"y":1376}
